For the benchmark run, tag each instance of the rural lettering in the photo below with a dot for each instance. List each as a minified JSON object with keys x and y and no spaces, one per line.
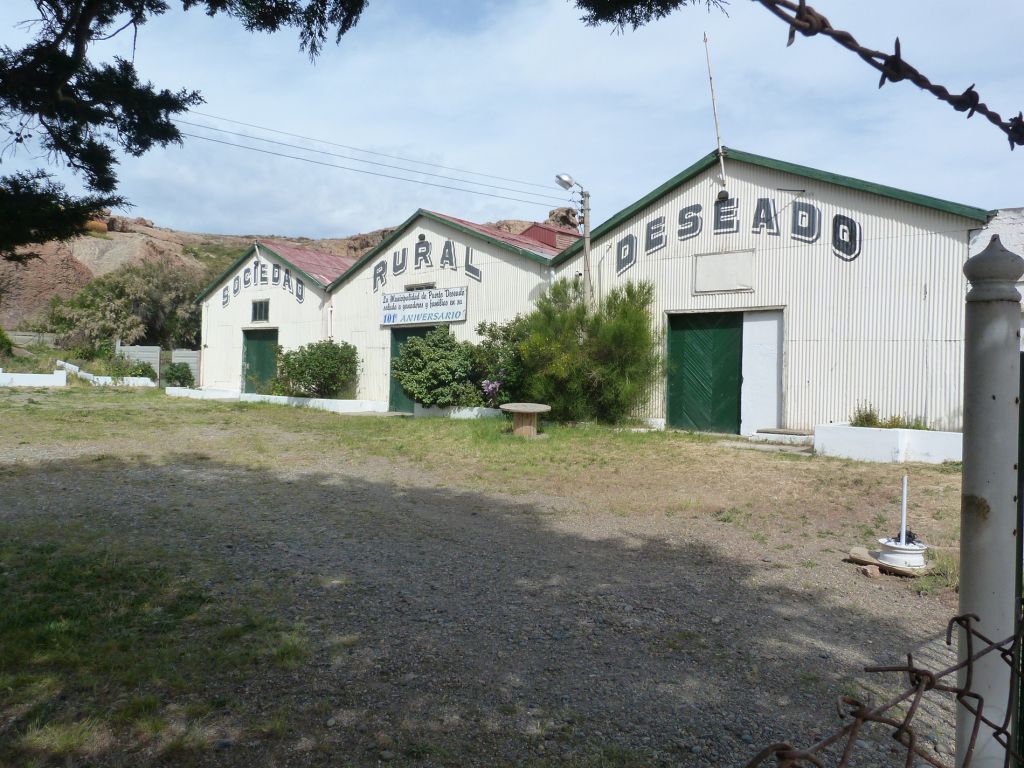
{"x":804,"y":222}
{"x":422,"y":258}
{"x":264,"y":273}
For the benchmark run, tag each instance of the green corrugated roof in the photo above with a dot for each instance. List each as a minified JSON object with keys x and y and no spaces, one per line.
{"x":957,"y":209}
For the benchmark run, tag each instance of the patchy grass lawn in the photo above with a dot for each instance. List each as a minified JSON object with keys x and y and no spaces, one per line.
{"x":776,"y":497}
{"x":100,"y":644}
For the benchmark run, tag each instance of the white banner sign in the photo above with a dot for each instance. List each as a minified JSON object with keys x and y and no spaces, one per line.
{"x":434,"y":305}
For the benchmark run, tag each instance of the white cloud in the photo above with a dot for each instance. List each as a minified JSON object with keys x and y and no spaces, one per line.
{"x":524,"y":90}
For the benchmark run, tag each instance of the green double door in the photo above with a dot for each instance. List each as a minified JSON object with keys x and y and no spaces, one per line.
{"x":398,"y":400}
{"x":259,"y":359}
{"x":705,"y":358}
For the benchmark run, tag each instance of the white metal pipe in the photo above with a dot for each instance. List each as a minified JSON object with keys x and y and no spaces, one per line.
{"x":903,"y":515}
{"x":988,"y":512}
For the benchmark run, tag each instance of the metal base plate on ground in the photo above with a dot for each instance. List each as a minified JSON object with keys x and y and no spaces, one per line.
{"x":861,"y":556}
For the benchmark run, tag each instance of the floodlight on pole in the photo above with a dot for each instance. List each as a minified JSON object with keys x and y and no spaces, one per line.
{"x":565,"y":181}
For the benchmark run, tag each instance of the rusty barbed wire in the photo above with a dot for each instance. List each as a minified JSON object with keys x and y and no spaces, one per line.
{"x":921,"y":682}
{"x":804,"y":19}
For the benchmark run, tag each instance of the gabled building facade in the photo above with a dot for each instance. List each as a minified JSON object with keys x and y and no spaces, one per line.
{"x":436,"y":270}
{"x":789,"y":296}
{"x":273,"y":294}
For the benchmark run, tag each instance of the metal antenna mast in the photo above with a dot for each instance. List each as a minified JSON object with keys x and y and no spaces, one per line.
{"x":714,"y":110}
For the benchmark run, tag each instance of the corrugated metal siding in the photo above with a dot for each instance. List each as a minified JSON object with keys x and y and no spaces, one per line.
{"x":508,"y":286}
{"x":297,"y":324}
{"x":141,"y":354}
{"x":884,"y":329}
{"x":188,"y":356}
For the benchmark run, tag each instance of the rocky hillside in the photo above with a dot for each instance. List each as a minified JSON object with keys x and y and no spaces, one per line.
{"x":64,"y":268}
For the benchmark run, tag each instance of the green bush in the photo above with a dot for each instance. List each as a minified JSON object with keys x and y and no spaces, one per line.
{"x":623,"y":352}
{"x":554,"y":358}
{"x":591,"y":364}
{"x":148,"y":303}
{"x":498,"y":363}
{"x":119,"y":367}
{"x":437,"y":370}
{"x":179,"y":375}
{"x":321,"y":369}
{"x":6,"y":345}
{"x":867,"y":416}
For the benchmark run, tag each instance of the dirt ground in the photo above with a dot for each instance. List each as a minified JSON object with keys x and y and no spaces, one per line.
{"x":592,"y":598}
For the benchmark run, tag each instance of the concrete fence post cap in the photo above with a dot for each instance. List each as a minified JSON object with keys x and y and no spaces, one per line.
{"x":993,"y":273}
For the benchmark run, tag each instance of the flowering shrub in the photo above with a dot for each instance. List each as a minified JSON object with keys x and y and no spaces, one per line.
{"x":490,"y":390}
{"x":499,"y":360}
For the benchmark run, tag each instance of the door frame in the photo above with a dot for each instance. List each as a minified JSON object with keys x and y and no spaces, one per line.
{"x":668,"y":374}
{"x":397,"y":395}
{"x":245,"y":349}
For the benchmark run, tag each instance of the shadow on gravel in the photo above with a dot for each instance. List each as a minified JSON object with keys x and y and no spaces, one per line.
{"x":435,"y":627}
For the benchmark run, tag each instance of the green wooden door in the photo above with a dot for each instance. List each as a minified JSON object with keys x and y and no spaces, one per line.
{"x":398,"y":400}
{"x":259,"y":359}
{"x":704,"y":363}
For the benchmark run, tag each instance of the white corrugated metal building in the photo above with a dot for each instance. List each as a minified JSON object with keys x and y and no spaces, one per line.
{"x":787,"y":296}
{"x":273,"y":294}
{"x":436,"y":269}
{"x":790,"y":296}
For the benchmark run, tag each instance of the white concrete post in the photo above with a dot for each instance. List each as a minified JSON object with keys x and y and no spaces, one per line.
{"x":988,"y":511}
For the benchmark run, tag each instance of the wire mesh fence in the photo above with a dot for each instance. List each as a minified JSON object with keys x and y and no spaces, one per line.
{"x":897,"y":715}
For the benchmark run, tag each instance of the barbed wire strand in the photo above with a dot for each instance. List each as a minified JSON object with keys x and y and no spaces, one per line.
{"x":804,"y":19}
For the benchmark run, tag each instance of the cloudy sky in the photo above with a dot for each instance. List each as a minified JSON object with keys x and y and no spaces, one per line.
{"x":522,"y":90}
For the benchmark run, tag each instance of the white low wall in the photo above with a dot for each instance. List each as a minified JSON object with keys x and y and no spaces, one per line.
{"x":887,"y":445}
{"x":203,"y":394}
{"x":319,"y":404}
{"x":107,"y":381}
{"x":456,"y":413}
{"x":55,"y":379}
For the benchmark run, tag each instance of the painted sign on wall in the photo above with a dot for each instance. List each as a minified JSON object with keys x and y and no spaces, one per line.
{"x":264,"y":273}
{"x":805,"y":224}
{"x":434,"y":305}
{"x":423,"y":258}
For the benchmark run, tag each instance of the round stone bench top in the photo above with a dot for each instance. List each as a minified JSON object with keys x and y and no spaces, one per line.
{"x":525,"y":408}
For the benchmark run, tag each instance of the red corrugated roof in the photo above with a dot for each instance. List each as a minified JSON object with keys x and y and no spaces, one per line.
{"x":526,"y":243}
{"x":323,"y":267}
{"x":553,"y":228}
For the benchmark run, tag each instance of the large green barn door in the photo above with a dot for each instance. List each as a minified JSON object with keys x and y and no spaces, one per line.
{"x":259,"y":359}
{"x":704,"y":363}
{"x":398,"y":400}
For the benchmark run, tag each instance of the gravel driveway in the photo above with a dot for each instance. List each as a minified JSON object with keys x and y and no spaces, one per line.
{"x":451,"y":626}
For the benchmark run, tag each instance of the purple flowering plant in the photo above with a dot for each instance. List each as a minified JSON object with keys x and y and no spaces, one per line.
{"x":490,"y":390}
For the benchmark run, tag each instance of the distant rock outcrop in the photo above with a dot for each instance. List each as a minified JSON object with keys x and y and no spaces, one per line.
{"x":557,"y":217}
{"x":64,"y":268}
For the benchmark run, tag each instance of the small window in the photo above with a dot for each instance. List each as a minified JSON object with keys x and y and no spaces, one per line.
{"x":261,"y":311}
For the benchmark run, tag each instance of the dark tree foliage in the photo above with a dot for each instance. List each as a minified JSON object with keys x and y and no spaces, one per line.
{"x":35,"y":209}
{"x":636,"y":13}
{"x":55,"y":100}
